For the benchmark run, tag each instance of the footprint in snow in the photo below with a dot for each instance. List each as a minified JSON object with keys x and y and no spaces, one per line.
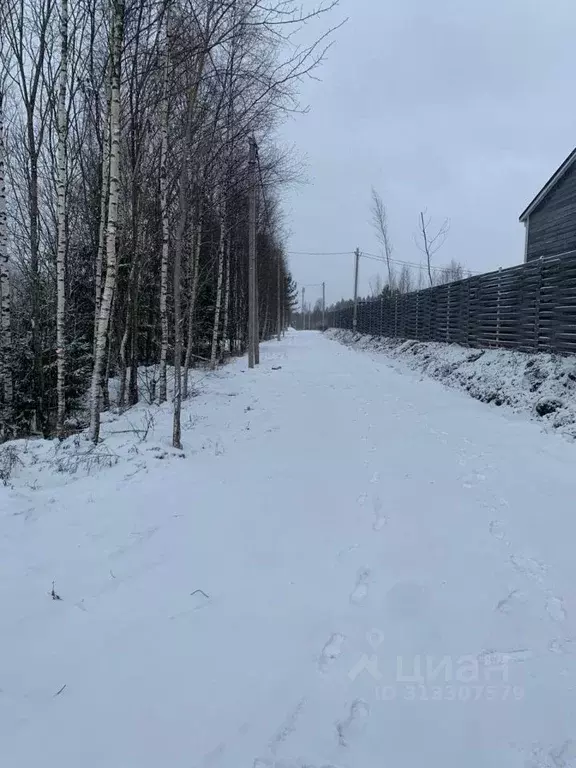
{"x":497,"y":530}
{"x":362,"y":499}
{"x":287,"y":727}
{"x":495,"y":658}
{"x":346,"y":551}
{"x":380,"y":518}
{"x":507,"y":604}
{"x":529,"y":567}
{"x":562,"y":756}
{"x":555,"y":608}
{"x":563,"y":646}
{"x":331,"y":651}
{"x":354,"y":724}
{"x":360,"y":591}
{"x":469,"y":481}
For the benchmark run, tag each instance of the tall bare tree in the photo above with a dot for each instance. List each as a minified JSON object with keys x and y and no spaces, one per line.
{"x":380,"y":224}
{"x":164,"y":212}
{"x":5,"y":304}
{"x":28,"y":35}
{"x":429,"y":239}
{"x":62,"y":228}
{"x":117,"y":34}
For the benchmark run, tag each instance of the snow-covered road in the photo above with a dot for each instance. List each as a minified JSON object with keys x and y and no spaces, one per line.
{"x":359,"y":569}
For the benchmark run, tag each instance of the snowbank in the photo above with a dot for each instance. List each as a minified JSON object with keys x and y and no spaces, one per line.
{"x":133,"y":440}
{"x":543,"y":385}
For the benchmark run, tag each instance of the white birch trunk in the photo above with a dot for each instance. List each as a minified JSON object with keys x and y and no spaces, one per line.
{"x":112,"y":224}
{"x":178,"y":247}
{"x":6,"y":380}
{"x":62,"y":229}
{"x":194,"y":273}
{"x":123,"y":367}
{"x":165,"y":225}
{"x":225,"y":342}
{"x":220,"y":280}
{"x":103,"y":208}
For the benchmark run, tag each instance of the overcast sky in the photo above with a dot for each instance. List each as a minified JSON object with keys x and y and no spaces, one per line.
{"x":462,"y":107}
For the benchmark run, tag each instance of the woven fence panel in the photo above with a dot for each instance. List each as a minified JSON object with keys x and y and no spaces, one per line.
{"x":531,"y":307}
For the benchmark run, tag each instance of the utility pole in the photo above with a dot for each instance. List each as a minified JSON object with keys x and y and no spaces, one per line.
{"x":256,"y":314}
{"x":256,"y":292}
{"x":303,"y":312}
{"x":279,"y":308}
{"x":356,"y":265}
{"x":252,"y":317}
{"x":323,"y":306}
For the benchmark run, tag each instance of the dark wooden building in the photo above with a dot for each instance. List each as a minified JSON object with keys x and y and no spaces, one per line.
{"x":550,"y":219}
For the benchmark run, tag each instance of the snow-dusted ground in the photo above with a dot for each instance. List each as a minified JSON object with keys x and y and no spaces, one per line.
{"x":347,"y":567}
{"x":542,"y":385}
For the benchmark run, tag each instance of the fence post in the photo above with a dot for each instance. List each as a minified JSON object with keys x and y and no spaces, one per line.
{"x":448,"y":310}
{"x":396,"y":316}
{"x":417,"y":331}
{"x":498,"y":307}
{"x":537,"y":307}
{"x":468,"y":313}
{"x":381,"y":330}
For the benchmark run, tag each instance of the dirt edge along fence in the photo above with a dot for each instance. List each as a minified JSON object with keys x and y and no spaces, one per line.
{"x":530,"y":307}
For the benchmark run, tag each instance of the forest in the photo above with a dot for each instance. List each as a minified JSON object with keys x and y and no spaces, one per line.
{"x":141,"y":179}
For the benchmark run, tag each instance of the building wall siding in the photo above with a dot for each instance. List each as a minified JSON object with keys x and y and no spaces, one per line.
{"x":552,"y":226}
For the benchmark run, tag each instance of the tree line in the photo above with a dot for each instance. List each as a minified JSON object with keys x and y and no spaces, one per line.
{"x":125,"y":187}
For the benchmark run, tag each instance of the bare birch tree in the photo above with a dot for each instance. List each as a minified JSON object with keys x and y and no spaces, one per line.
{"x":5,"y":305}
{"x":380,"y":224}
{"x":104,"y":193}
{"x":429,"y":240}
{"x":183,"y":212}
{"x":62,"y":228}
{"x":28,"y":36}
{"x":165,"y":116}
{"x":405,"y":282}
{"x":117,"y":32}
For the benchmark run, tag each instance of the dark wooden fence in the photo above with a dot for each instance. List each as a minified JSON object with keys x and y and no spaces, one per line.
{"x":530,"y":307}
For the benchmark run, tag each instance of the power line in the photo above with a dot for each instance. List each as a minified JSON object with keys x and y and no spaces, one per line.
{"x":320,"y":253}
{"x":398,"y":261}
{"x":374,"y":257}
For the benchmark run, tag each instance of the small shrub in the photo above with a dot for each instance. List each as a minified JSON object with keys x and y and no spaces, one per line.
{"x":9,"y":460}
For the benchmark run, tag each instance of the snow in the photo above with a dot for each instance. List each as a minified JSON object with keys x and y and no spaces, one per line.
{"x":542,"y":385}
{"x":348,"y":565}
